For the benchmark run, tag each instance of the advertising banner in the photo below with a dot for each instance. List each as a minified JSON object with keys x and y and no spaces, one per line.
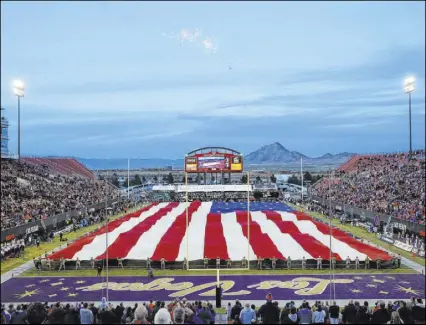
{"x":403,"y":246}
{"x":387,"y":239}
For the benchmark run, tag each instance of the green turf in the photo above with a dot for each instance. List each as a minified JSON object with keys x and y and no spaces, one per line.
{"x":34,"y":252}
{"x":143,"y":272}
{"x":363,"y":233}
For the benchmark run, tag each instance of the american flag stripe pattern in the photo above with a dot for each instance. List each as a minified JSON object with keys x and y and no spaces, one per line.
{"x":218,"y":229}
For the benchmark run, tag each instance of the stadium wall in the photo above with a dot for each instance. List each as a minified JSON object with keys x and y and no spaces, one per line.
{"x":32,"y":227}
{"x":370,"y":215}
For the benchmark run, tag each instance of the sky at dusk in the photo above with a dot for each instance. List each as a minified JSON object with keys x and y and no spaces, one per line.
{"x":112,"y":79}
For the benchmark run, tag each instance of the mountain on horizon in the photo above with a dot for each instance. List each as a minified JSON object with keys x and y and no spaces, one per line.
{"x":277,"y":153}
{"x":271,"y":154}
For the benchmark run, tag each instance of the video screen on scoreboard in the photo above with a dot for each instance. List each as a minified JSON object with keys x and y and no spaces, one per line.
{"x":214,"y":163}
{"x":191,"y":164}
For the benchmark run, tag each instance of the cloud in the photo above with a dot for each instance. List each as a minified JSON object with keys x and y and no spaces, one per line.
{"x":108,"y":139}
{"x":354,"y":125}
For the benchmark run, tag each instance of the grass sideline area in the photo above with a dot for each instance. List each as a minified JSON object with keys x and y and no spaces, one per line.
{"x":33,"y":252}
{"x":362,"y":233}
{"x":212,"y":272}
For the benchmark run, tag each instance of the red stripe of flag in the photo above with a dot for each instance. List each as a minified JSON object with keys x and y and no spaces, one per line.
{"x":168,"y":247}
{"x":309,"y":243}
{"x":260,"y":242}
{"x":126,"y":240}
{"x":214,"y":240}
{"x":372,"y":252}
{"x":78,"y":245}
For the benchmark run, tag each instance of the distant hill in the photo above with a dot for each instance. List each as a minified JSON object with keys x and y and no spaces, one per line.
{"x":277,"y":153}
{"x":272,"y":154}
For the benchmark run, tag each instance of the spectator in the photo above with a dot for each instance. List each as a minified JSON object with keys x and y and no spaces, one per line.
{"x":349,"y":313}
{"x":405,"y":313}
{"x":72,"y":315}
{"x":141,"y":315}
{"x":305,"y":314}
{"x":334,"y":312}
{"x":395,"y":319}
{"x":289,"y":317}
{"x":179,"y":315}
{"x":18,"y":316}
{"x":162,"y":316}
{"x":156,"y":309}
{"x":204,"y":314}
{"x":127,"y":317}
{"x":108,"y":317}
{"x":236,"y":309}
{"x":318,"y":316}
{"x":228,"y":311}
{"x":119,"y":310}
{"x":368,"y":309}
{"x":37,"y":193}
{"x":5,"y":315}
{"x":390,"y":184}
{"x":253,"y":307}
{"x":362,"y":317}
{"x":247,"y":314}
{"x":381,"y":315}
{"x":36,"y":313}
{"x":418,"y":312}
{"x":86,"y":315}
{"x":269,"y":312}
{"x":57,"y":316}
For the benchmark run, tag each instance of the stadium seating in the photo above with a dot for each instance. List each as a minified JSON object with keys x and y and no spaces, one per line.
{"x":38,"y":188}
{"x":392,"y":184}
{"x":64,"y":166}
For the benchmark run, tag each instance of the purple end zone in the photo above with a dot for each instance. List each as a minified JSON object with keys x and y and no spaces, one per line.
{"x":254,"y":287}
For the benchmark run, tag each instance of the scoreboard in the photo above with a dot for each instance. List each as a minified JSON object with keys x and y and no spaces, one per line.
{"x":214,"y":162}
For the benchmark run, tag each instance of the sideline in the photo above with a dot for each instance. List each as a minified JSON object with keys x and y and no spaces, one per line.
{"x":210,"y":275}
{"x":404,"y":260}
{"x":30,"y":264}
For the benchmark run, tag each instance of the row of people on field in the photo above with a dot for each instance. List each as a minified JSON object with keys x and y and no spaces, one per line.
{"x":396,"y":261}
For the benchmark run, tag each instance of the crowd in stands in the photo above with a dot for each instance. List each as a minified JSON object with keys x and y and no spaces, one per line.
{"x":185,"y":312}
{"x":413,"y":240}
{"x":16,"y":247}
{"x":210,"y":196}
{"x":30,"y":192}
{"x":391,"y":184}
{"x":230,"y":196}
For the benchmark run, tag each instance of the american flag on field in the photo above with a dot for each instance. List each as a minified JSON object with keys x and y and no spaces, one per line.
{"x":221,"y":230}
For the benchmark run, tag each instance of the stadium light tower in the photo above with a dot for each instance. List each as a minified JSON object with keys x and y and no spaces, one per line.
{"x":18,"y":91}
{"x":409,"y":85}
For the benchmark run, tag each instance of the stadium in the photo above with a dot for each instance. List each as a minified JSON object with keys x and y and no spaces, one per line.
{"x":215,"y":234}
{"x":185,"y":240}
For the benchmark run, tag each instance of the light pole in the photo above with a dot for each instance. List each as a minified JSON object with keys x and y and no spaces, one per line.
{"x":18,"y":90}
{"x":409,"y":88}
